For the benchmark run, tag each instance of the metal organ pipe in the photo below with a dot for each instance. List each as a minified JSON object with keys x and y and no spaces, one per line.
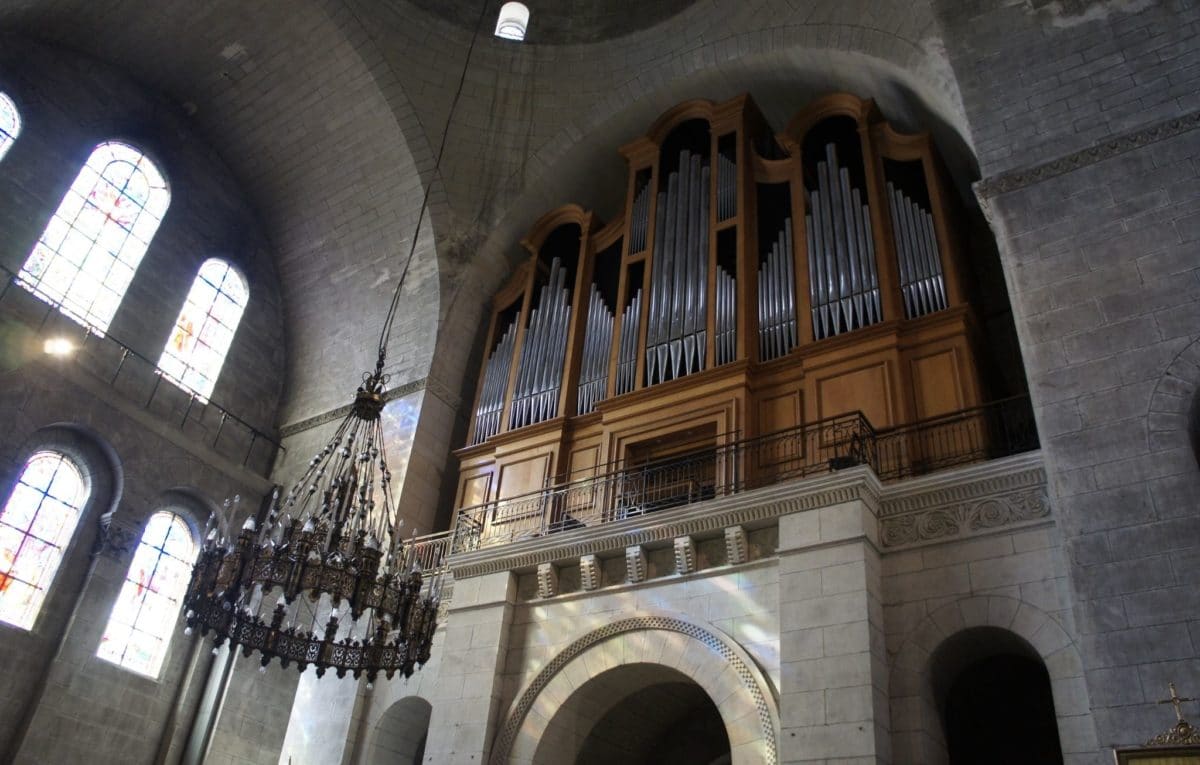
{"x":495,"y":384}
{"x":627,"y":350}
{"x":843,"y":279}
{"x":676,"y":337}
{"x":726,"y":329}
{"x":597,"y":340}
{"x":777,"y":297}
{"x":920,"y":263}
{"x":539,"y":375}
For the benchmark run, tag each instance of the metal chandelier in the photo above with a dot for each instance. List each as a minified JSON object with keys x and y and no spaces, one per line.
{"x":331,"y":548}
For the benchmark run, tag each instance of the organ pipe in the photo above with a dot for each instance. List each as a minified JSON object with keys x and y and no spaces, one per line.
{"x":627,"y":350}
{"x":726,"y":337}
{"x":691,"y":265}
{"x":539,"y":375}
{"x":921,"y":281}
{"x":777,"y":297}
{"x":593,"y":375}
{"x":843,"y":277}
{"x":495,"y":381}
{"x":676,"y":336}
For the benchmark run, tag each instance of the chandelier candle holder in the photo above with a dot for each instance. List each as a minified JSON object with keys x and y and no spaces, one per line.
{"x":332,"y":543}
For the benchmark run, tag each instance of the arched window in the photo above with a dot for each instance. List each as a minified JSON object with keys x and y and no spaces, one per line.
{"x":95,"y":240}
{"x":10,"y":123}
{"x":139,"y":627}
{"x":35,"y":526}
{"x":204,"y":330}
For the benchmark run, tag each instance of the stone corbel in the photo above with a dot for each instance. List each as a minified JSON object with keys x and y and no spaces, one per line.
{"x":685,"y":555}
{"x":635,"y":564}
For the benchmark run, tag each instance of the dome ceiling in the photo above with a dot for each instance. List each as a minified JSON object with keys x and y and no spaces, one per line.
{"x":561,"y":22}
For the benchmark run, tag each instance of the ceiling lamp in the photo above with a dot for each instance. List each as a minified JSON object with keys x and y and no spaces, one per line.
{"x":512,"y":22}
{"x":331,"y":549}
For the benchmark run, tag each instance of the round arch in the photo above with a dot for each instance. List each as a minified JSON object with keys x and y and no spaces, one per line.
{"x":916,"y":724}
{"x":718,"y":665}
{"x":399,"y":736}
{"x":1174,"y":413}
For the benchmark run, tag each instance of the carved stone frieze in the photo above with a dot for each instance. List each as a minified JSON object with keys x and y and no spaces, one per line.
{"x":965,"y":518}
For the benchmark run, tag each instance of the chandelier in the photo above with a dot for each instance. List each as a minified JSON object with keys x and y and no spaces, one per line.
{"x":333,"y":543}
{"x":331,"y":548}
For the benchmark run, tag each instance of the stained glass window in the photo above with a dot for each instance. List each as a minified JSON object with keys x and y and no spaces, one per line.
{"x":204,"y":330}
{"x":139,"y":627}
{"x":95,"y":240}
{"x":10,"y":123}
{"x":35,"y":526}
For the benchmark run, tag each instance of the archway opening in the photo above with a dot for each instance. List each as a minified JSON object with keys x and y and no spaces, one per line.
{"x":640,"y":714}
{"x":401,"y":733}
{"x":993,"y":692}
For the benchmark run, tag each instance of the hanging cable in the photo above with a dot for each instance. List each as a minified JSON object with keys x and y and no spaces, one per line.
{"x":385,"y":333}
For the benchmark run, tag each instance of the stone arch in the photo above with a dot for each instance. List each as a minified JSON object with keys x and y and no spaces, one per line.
{"x":916,"y":724}
{"x":1174,"y":412}
{"x":92,"y":454}
{"x":399,"y":736}
{"x":722,"y":669}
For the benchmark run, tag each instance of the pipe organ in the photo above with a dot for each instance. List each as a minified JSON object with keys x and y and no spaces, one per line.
{"x":755,"y":281}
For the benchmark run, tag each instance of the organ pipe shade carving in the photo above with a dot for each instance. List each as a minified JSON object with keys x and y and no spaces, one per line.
{"x":843,"y":280}
{"x":676,"y":337}
{"x":539,"y":375}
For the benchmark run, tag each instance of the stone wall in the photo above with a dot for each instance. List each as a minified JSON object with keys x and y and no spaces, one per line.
{"x":1084,"y":117}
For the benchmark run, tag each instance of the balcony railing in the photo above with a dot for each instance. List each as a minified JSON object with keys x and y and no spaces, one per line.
{"x":138,"y":379}
{"x":625,"y":491}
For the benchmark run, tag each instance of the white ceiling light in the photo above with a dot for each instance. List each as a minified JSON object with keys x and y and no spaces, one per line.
{"x":514,"y":19}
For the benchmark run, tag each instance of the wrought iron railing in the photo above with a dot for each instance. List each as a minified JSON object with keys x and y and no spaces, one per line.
{"x":139,"y":380}
{"x":987,"y":432}
{"x":697,"y":475}
{"x":981,"y":433}
{"x":429,"y":552}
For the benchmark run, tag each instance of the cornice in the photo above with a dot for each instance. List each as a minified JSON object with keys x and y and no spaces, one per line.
{"x":749,"y":508}
{"x":1022,"y":471}
{"x":976,"y":499}
{"x":1007,"y":493}
{"x":1019,"y":178}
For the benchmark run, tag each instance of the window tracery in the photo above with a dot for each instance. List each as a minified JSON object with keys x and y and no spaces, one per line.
{"x":196,"y":349}
{"x":139,"y":627}
{"x":94,"y":242}
{"x":36,"y":525}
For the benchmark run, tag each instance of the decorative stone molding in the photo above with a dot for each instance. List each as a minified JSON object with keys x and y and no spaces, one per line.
{"x":685,"y":555}
{"x":589,"y":572}
{"x":635,"y":564}
{"x":736,"y":548}
{"x":1019,"y":178}
{"x":959,"y":503}
{"x":733,"y":658}
{"x":547,"y":580}
{"x":965,"y":518}
{"x":750,"y":508}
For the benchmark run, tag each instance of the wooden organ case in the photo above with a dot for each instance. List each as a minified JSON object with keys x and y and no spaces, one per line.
{"x":755,"y":282}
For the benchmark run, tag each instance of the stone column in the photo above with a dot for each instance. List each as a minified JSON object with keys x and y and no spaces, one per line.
{"x":833,"y":690}
{"x":469,"y":701}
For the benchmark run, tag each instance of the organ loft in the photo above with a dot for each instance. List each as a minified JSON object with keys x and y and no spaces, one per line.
{"x":756,"y":282}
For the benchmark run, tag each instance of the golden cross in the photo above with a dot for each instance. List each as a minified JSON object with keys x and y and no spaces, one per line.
{"x":1175,"y":700}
